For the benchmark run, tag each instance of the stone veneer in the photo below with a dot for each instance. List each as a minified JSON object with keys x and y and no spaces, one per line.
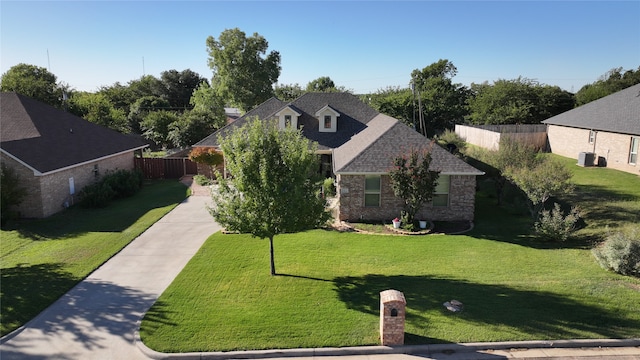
{"x":350,"y":190}
{"x":48,"y":194}
{"x":392,"y":317}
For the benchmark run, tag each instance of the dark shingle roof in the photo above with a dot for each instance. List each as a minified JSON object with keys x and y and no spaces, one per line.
{"x":618,"y":113}
{"x":354,"y":115}
{"x":374,"y":149}
{"x":47,"y":139}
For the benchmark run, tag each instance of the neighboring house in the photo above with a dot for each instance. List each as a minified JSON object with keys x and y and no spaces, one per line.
{"x":357,"y":145}
{"x":55,"y":153}
{"x":604,"y":132}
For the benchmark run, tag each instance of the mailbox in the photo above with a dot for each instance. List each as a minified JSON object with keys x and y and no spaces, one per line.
{"x":392,"y":317}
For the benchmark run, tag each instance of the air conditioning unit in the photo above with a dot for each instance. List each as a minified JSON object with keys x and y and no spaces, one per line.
{"x":586,"y":159}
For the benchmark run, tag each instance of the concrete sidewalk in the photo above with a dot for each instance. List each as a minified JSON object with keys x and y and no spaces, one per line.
{"x":98,"y":318}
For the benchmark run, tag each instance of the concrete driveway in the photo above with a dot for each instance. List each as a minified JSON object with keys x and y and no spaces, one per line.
{"x":97,"y":319}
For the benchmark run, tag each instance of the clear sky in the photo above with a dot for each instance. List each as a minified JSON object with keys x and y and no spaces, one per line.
{"x":362,"y":45}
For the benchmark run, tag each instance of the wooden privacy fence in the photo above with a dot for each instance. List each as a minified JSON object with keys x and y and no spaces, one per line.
{"x":488,"y":136}
{"x":169,"y":168}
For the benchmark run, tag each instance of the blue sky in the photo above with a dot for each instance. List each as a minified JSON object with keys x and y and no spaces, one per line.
{"x":362,"y":45}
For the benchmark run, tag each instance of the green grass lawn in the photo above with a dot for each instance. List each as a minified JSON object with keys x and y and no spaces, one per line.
{"x":40,"y":260}
{"x":513,"y":286}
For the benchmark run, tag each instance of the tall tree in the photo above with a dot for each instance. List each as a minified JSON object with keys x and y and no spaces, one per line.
{"x":413,"y":182}
{"x":143,"y":106}
{"x":240,"y":72}
{"x":394,"y":101}
{"x":155,"y":126}
{"x":32,"y":81}
{"x":274,"y":184}
{"x":288,"y":92}
{"x":97,"y":109}
{"x":614,"y":80}
{"x":443,"y":101}
{"x":517,"y":101}
{"x":321,"y":84}
{"x":178,"y":86}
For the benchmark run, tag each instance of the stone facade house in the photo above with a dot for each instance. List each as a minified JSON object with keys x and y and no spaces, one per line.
{"x":357,"y":145}
{"x":55,"y":153}
{"x":607,"y":130}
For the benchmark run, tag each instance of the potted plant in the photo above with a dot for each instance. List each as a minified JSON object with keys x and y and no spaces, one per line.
{"x":423,"y":224}
{"x":396,"y":223}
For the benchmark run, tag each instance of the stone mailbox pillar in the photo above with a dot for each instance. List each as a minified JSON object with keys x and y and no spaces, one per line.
{"x":392,"y":315}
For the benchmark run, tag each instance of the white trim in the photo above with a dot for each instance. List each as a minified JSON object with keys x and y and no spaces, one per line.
{"x":38,"y":173}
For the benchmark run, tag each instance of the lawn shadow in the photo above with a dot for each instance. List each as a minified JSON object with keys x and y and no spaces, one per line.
{"x":542,"y":315}
{"x":116,"y":217}
{"x":89,"y":310}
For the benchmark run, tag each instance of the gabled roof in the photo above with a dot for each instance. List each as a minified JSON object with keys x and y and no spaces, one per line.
{"x":618,"y":113}
{"x":373,"y":150}
{"x":46,"y":139}
{"x":354,"y":116}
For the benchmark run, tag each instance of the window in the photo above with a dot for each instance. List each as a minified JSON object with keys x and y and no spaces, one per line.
{"x":372,"y":190}
{"x":287,"y":121}
{"x":592,"y":136}
{"x":441,"y":193}
{"x":633,"y":150}
{"x":327,"y":121}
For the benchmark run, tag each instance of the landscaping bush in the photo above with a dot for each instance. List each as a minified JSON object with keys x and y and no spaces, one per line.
{"x":554,"y":225}
{"x":96,"y":195}
{"x":202,"y":180}
{"x":124,"y":183}
{"x":328,"y":187}
{"x":11,"y":194}
{"x":450,"y":140}
{"x":620,"y":253}
{"x":118,"y":184}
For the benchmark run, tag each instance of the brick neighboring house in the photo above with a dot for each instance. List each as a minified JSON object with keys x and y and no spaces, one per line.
{"x":55,"y":153}
{"x":357,"y":145}
{"x":609,"y":128}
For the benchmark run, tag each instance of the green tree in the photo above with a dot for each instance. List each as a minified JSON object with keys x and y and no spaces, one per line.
{"x":614,"y":80}
{"x":155,"y":126}
{"x":539,"y":183}
{"x":396,"y":102}
{"x":240,"y":74}
{"x":178,"y":86}
{"x":205,"y":100}
{"x":324,"y":84}
{"x":443,"y":101}
{"x":32,"y":81}
{"x":191,"y":127}
{"x":143,"y":106}
{"x":518,"y":101}
{"x":274,"y":184}
{"x":11,"y":193}
{"x":97,"y":109}
{"x":288,"y":92}
{"x":413,"y":182}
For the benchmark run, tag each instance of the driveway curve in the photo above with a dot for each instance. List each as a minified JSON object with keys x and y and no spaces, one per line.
{"x":97,"y":319}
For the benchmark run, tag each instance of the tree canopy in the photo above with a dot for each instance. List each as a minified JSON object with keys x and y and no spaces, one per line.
{"x":517,"y":101}
{"x":274,"y":184}
{"x":614,"y":80}
{"x":32,"y":81}
{"x":241,"y":74}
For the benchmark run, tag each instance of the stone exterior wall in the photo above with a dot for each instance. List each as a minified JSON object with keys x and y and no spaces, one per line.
{"x":350,"y":190}
{"x":614,"y":148}
{"x":49,"y":194}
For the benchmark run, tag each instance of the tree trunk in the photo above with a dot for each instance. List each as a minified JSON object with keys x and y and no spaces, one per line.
{"x":273,"y":264}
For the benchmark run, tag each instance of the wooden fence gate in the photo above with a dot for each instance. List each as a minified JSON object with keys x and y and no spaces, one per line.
{"x":158,"y":168}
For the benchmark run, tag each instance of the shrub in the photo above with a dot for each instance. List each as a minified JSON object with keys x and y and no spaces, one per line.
{"x":328,"y":187}
{"x":118,"y":184}
{"x":202,"y":180}
{"x":449,"y":139}
{"x":554,"y":225}
{"x":11,"y":194}
{"x":620,"y":253}
{"x":96,"y":195}
{"x":124,"y":183}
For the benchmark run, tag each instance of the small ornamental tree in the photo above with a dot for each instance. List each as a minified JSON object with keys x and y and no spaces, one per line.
{"x":413,"y":182}
{"x":274,"y":186}
{"x":206,"y":155}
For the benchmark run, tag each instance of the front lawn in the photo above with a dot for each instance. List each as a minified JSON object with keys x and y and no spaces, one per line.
{"x":513,"y":286}
{"x":40,"y":260}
